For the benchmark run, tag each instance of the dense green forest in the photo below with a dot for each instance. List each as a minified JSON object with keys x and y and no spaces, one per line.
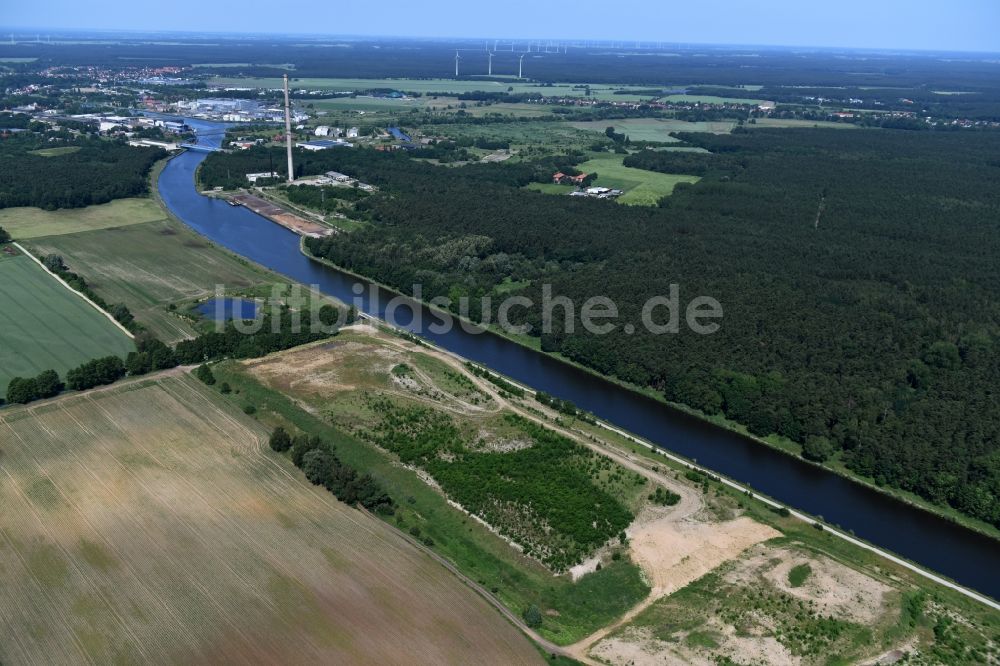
{"x":97,"y":173}
{"x":856,"y":271}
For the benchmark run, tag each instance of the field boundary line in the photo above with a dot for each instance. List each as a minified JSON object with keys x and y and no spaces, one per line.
{"x":78,"y":293}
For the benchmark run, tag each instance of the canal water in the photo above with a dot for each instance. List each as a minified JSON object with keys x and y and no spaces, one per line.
{"x":969,"y":558}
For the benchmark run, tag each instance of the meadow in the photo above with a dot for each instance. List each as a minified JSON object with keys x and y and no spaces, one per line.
{"x":150,"y":523}
{"x":26,"y":223}
{"x":642,"y":187}
{"x":45,"y":326}
{"x":153,"y":265}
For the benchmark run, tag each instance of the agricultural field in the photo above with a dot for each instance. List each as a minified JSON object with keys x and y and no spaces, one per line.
{"x":150,"y":523}
{"x":45,"y":326}
{"x":153,"y":265}
{"x":654,"y":129}
{"x":28,"y":223}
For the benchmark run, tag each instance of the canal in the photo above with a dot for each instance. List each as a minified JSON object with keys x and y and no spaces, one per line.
{"x":969,"y":558}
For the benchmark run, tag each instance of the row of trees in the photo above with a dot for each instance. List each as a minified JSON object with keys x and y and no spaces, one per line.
{"x":318,"y":460}
{"x":119,"y":311}
{"x":151,"y":354}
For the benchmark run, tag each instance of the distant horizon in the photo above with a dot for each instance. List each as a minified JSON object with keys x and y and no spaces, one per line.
{"x":965,"y":26}
{"x":39,"y":34}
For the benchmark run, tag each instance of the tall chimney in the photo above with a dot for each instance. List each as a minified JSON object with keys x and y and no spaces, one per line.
{"x":288,"y":133}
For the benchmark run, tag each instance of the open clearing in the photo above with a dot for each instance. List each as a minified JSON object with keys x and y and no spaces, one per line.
{"x":792,"y":122}
{"x":45,"y":326}
{"x":642,"y":187}
{"x":711,"y":99}
{"x":654,"y":129}
{"x":150,"y":523}
{"x":55,"y":152}
{"x":749,"y":611}
{"x":26,"y":223}
{"x":149,"y":266}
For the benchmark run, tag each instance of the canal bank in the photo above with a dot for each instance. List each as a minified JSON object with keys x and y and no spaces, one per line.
{"x":931,"y":541}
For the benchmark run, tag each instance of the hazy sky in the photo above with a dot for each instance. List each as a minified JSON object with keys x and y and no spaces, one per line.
{"x":968,"y":25}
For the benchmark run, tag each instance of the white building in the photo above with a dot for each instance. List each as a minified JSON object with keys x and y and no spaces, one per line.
{"x":322,"y":130}
{"x":353,"y":133}
{"x":149,"y":143}
{"x":254,"y":177}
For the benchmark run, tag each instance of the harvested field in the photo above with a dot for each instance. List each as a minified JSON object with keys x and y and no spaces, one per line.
{"x":45,"y":326}
{"x":149,"y":523}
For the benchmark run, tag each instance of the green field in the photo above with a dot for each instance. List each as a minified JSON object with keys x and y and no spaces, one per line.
{"x":149,"y":266}
{"x":654,"y":129}
{"x":25,"y":223}
{"x":45,"y":326}
{"x":643,"y":188}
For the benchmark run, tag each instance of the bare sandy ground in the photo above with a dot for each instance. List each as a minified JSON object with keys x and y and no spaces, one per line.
{"x":834,"y":588}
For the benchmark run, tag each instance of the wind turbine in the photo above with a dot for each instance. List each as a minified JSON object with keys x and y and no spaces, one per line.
{"x":490,"y":72}
{"x":520,"y":66}
{"x":457,"y":58}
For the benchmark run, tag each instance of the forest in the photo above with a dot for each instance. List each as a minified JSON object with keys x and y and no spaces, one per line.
{"x":856,"y":271}
{"x":97,"y":173}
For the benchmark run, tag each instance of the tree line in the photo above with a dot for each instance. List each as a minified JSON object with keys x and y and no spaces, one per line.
{"x":276,"y":334}
{"x":318,"y":460}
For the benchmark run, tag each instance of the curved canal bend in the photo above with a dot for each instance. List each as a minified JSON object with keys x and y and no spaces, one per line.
{"x":969,"y":558}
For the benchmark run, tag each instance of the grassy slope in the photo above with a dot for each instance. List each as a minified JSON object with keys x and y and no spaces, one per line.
{"x":44,"y":326}
{"x":27,"y":223}
{"x":150,"y":523}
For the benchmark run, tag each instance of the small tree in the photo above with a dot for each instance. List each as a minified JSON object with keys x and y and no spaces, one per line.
{"x":280,"y":440}
{"x":54,"y":263}
{"x":48,"y":384}
{"x":204,"y":373}
{"x":22,"y":390}
{"x":533,"y":617}
{"x":4,"y":236}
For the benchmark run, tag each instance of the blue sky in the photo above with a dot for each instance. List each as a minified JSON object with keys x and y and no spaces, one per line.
{"x":967,"y":25}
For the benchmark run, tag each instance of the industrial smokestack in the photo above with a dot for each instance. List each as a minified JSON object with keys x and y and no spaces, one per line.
{"x":288,"y":133}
